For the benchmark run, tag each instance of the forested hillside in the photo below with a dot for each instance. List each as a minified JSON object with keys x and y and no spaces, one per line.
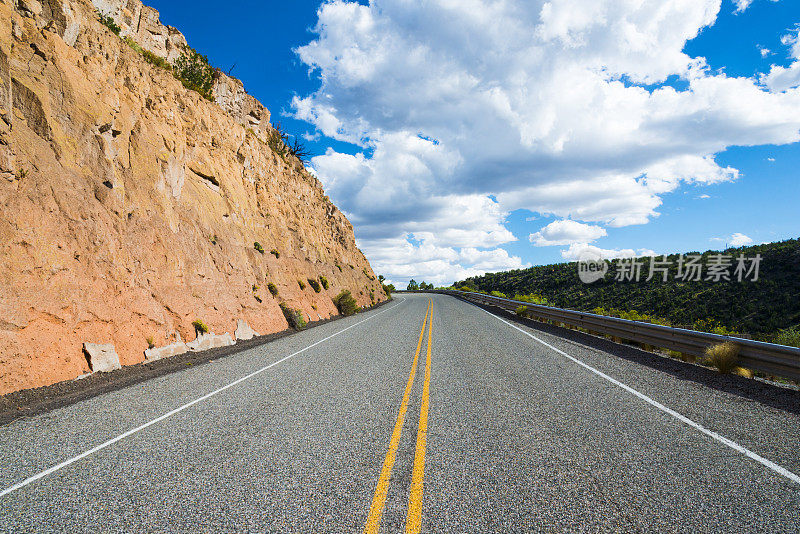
{"x":757,"y":308}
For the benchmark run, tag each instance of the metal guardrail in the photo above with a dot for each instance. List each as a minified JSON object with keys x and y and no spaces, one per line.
{"x":778,"y":360}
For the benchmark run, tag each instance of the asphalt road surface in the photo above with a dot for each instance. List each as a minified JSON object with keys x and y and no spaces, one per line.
{"x":328,"y":431}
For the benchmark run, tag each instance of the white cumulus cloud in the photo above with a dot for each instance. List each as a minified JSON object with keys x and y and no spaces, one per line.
{"x":736,"y":239}
{"x":781,"y":78}
{"x":566,"y":232}
{"x":740,"y":240}
{"x":556,"y":107}
{"x":577,"y":250}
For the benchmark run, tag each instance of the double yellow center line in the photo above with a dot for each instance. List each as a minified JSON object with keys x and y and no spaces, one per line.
{"x":414,"y":517}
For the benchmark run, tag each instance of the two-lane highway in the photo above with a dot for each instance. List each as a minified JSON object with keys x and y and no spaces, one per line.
{"x":428,"y":414}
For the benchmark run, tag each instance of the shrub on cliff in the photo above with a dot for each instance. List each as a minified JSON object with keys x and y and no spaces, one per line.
{"x":298,"y":150}
{"x":272,"y":289}
{"x":301,"y":284}
{"x":324,"y":282}
{"x":155,"y":60}
{"x":275,"y":253}
{"x":195,"y":73}
{"x":345,"y":303}
{"x":258,"y":247}
{"x":200,"y":327}
{"x":108,"y":22}
{"x":278,"y":141}
{"x":293,"y":317}
{"x":314,"y":284}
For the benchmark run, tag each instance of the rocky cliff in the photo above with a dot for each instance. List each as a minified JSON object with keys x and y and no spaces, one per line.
{"x":131,"y":205}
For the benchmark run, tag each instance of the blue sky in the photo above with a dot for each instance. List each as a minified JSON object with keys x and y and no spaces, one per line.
{"x":439,"y":188}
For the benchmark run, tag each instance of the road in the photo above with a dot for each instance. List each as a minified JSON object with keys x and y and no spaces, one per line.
{"x":500,"y":432}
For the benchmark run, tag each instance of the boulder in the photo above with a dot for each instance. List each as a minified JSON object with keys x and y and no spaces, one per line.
{"x":210,"y":341}
{"x":173,"y":349}
{"x":243,"y":330}
{"x":102,"y":357}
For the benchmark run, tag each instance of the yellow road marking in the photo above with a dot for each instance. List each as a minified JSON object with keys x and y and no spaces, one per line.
{"x":379,"y":500}
{"x":414,"y":517}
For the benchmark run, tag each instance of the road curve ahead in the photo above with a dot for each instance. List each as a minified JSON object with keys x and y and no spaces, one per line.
{"x":426,"y":415}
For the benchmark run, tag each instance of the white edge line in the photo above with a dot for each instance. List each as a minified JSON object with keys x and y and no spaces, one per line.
{"x":132,"y":431}
{"x":732,"y":444}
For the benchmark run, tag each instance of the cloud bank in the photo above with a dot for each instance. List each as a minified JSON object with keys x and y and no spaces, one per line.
{"x":465,"y":111}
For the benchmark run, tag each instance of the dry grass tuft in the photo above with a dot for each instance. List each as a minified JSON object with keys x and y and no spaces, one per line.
{"x":723,"y":356}
{"x":741,"y":371}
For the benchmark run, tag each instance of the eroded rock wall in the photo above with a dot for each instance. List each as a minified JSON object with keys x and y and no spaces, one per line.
{"x":130,"y":205}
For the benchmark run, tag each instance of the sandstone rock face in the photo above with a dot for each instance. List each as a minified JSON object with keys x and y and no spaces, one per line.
{"x":102,"y":357}
{"x":142,"y":24}
{"x":130,"y":205}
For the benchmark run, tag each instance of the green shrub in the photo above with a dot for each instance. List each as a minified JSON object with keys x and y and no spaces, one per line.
{"x":278,"y":141}
{"x":522,"y":311}
{"x":275,"y":253}
{"x":272,"y":289}
{"x":723,"y":356}
{"x":364,"y":270}
{"x":195,"y":73}
{"x":155,"y":60}
{"x":314,"y":284}
{"x":150,"y":342}
{"x":533,"y":299}
{"x":108,"y":22}
{"x":339,"y":267}
{"x":301,"y":284}
{"x":133,"y":44}
{"x":499,"y":294}
{"x":258,"y":247}
{"x":324,"y":282}
{"x":200,"y":327}
{"x":345,"y":303}
{"x":388,"y":289}
{"x":788,"y":336}
{"x":293,"y":317}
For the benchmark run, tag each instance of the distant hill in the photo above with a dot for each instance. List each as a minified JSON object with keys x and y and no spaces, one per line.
{"x":758,"y":309}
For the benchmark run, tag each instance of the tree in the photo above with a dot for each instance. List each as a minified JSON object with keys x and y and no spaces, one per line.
{"x":412,"y":285}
